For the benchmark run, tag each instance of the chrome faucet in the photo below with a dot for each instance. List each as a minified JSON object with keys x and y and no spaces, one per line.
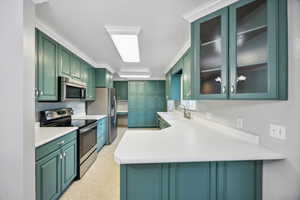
{"x":186,"y":113}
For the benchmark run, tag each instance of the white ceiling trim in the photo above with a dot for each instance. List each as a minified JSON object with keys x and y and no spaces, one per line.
{"x":39,"y":1}
{"x":181,"y":52}
{"x":50,"y":32}
{"x":202,"y":11}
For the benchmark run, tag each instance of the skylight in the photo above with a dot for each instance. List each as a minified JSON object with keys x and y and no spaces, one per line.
{"x":126,"y":42}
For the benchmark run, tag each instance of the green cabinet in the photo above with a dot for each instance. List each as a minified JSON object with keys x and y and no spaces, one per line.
{"x":56,"y":166}
{"x":48,"y":177}
{"x":53,"y":60}
{"x":240,"y":52}
{"x":193,"y":181}
{"x":210,"y":43}
{"x":47,"y":65}
{"x":145,"y":99}
{"x":75,"y":67}
{"x":84,"y":70}
{"x":104,"y":78}
{"x":187,"y":75}
{"x":69,"y":162}
{"x":91,"y":89}
{"x":102,"y":137}
{"x":64,"y":61}
{"x":121,"y":89}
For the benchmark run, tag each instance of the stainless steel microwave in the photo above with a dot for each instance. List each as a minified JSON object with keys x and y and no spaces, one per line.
{"x":71,"y":89}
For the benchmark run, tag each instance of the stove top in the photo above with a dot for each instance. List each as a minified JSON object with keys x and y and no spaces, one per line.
{"x":80,"y":123}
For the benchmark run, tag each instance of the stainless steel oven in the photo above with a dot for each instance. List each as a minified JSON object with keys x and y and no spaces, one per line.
{"x":71,"y":89}
{"x":87,"y":141}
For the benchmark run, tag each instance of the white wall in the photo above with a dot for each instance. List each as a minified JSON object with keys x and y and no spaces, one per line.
{"x":17,"y":100}
{"x":281,"y":178}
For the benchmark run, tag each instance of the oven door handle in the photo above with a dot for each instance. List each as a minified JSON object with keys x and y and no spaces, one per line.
{"x":89,"y":127}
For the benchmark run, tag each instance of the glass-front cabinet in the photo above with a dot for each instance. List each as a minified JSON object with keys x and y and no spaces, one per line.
{"x":240,"y":52}
{"x":253,"y":50}
{"x":210,"y":35}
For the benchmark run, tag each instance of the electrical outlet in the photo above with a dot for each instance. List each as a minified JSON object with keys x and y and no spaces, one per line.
{"x":240,"y":123}
{"x":278,"y":131}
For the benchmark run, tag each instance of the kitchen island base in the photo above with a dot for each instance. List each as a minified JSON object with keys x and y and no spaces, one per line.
{"x":230,"y":180}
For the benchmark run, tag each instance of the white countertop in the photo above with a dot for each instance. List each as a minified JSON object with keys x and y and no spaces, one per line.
{"x":44,"y":135}
{"x":88,"y":117}
{"x":196,"y":140}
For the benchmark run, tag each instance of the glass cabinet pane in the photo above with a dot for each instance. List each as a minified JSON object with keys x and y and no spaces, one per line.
{"x":251,"y":48}
{"x":211,"y":56}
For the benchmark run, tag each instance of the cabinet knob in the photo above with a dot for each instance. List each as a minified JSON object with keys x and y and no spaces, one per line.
{"x":41,"y":93}
{"x":64,"y":154}
{"x":60,"y":157}
{"x":61,"y":143}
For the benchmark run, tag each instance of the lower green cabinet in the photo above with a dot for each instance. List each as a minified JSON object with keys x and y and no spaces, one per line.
{"x":69,"y":162}
{"x":48,"y":177}
{"x":101,"y":133}
{"x":232,"y":180}
{"x":55,"y":170}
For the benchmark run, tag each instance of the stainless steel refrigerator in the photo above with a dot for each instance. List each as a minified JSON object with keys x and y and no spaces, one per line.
{"x":105,"y":104}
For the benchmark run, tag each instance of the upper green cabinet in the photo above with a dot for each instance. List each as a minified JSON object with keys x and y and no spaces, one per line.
{"x":91,"y":90}
{"x":104,"y":78}
{"x":47,"y":65}
{"x":64,"y":61}
{"x":53,"y":60}
{"x":75,"y":68}
{"x":168,"y":85}
{"x":210,"y":45}
{"x":121,"y":88}
{"x":240,"y":52}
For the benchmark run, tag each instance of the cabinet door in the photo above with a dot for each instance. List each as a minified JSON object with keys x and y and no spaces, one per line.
{"x":84,"y":72}
{"x":48,"y":177}
{"x":69,"y":163}
{"x":186,"y":73}
{"x":75,"y":67}
{"x":91,"y":91}
{"x":253,"y":59}
{"x":210,"y":42}
{"x":64,"y":62}
{"x":47,"y":68}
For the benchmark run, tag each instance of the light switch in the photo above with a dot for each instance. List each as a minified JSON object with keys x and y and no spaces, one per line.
{"x":278,"y":131}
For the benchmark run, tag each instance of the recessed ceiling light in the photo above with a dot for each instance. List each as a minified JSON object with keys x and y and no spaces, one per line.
{"x":126,"y":42}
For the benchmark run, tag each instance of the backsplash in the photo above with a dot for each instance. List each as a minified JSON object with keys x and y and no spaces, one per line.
{"x":78,"y":107}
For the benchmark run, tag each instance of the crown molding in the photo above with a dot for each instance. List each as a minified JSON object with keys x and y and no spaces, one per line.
{"x":181,"y":52}
{"x":39,"y":1}
{"x":206,"y":9}
{"x":63,"y":41}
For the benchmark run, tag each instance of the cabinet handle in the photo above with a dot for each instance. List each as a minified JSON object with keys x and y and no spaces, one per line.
{"x":223,"y":89}
{"x":64,"y":154}
{"x":232,"y":89}
{"x":61,"y":143}
{"x":41,"y":93}
{"x":60,"y":157}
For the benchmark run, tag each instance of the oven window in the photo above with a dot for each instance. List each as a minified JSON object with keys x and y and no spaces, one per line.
{"x":73,"y":92}
{"x":87,"y":141}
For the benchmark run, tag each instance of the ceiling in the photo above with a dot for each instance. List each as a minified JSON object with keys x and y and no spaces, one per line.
{"x":163,"y":29}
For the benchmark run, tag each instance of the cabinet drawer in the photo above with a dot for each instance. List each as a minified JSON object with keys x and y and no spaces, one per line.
{"x":45,"y":149}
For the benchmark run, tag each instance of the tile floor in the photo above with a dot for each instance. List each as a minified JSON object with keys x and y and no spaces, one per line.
{"x":102,"y":181}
